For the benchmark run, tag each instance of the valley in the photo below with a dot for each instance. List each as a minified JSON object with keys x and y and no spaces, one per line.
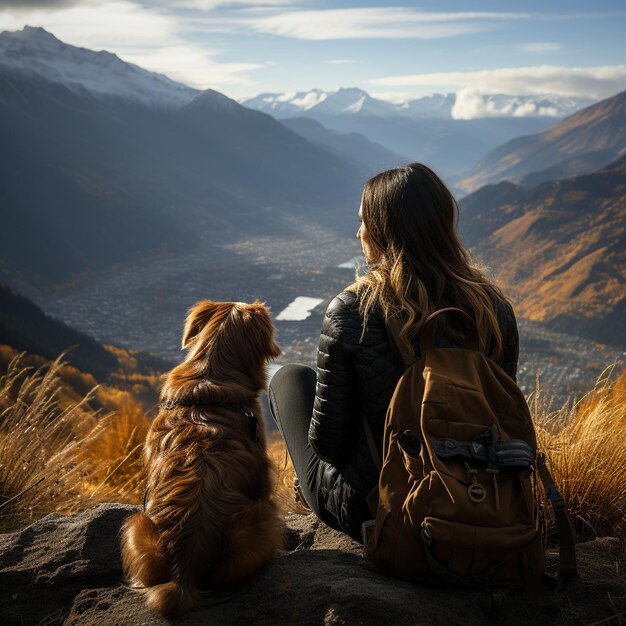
{"x":143,"y":305}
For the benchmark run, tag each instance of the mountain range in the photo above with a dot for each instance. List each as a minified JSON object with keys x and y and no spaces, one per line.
{"x":423,"y":129}
{"x":559,"y":250}
{"x":354,"y":101}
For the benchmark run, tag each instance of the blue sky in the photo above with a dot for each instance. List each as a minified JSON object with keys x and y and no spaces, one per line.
{"x":395,"y":50}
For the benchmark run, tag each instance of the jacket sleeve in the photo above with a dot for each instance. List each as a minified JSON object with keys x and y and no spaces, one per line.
{"x":333,"y":424}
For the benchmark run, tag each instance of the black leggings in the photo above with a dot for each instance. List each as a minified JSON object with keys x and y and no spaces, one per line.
{"x":291,"y":396}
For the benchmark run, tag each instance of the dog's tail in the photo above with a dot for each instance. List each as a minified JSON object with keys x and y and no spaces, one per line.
{"x":143,"y":560}
{"x":174,"y":598}
{"x":147,"y":567}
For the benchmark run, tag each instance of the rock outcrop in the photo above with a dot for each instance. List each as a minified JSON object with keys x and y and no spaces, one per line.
{"x":67,"y":570}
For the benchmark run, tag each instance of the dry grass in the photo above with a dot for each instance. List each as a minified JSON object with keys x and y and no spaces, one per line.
{"x":84,"y":455}
{"x":37,"y":434}
{"x":586,"y":446}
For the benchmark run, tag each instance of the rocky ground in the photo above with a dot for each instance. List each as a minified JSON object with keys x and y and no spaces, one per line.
{"x":67,"y":570}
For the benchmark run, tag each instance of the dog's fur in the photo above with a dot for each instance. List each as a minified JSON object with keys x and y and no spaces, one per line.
{"x":209,"y":520}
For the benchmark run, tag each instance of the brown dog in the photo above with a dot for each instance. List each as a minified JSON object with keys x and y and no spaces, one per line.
{"x":209,"y":519}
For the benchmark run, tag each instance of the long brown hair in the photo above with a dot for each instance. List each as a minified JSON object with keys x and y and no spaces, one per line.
{"x":420,"y":265}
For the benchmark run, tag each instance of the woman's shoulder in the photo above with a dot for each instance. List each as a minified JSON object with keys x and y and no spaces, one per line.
{"x":343,"y":303}
{"x":344,"y":318}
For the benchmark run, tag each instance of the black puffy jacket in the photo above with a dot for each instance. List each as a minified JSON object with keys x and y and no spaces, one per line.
{"x":355,"y":379}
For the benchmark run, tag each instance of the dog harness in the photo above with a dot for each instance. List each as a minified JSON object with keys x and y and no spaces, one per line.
{"x":239,"y":408}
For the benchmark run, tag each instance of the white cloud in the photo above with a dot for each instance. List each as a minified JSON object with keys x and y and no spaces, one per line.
{"x":541,"y":47}
{"x":209,"y":5}
{"x":340,"y":61}
{"x":588,"y":82}
{"x":147,"y":37}
{"x":470,"y":104}
{"x":374,"y":23}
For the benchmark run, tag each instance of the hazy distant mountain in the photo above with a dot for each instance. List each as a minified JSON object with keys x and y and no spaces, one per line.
{"x":580,"y":143}
{"x":436,"y":105}
{"x":90,"y":179}
{"x":422,"y":129}
{"x":355,"y":146}
{"x":449,"y":146}
{"x":37,"y":52}
{"x":559,"y":250}
{"x":354,"y":101}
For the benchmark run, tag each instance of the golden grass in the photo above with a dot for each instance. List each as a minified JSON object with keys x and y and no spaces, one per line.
{"x":88,"y":456}
{"x":37,"y":435}
{"x":586,"y":446}
{"x":84,"y":455}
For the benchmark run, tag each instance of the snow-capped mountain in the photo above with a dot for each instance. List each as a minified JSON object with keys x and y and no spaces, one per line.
{"x":437,"y":105}
{"x":467,"y":104}
{"x":36,"y":51}
{"x":286,"y":104}
{"x":338,"y":102}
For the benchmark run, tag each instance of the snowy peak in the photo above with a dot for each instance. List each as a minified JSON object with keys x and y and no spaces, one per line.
{"x":341,"y":101}
{"x":286,"y":104}
{"x":353,"y":100}
{"x":437,"y":105}
{"x":37,"y":52}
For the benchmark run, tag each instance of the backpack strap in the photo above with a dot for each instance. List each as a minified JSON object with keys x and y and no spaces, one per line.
{"x":371,"y":444}
{"x":567,"y":548}
{"x":427,"y":337}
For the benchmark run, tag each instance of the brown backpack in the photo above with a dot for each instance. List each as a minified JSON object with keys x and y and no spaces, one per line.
{"x":455,"y":501}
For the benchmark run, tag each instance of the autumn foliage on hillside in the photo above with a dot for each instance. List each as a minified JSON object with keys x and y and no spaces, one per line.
{"x":89,"y":455}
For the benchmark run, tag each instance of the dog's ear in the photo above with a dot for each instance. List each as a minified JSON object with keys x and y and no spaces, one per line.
{"x":198,"y":317}
{"x":259,"y":328}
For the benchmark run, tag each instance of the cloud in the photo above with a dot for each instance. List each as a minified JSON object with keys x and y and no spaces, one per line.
{"x":588,"y":82}
{"x":541,"y":47}
{"x":340,"y":61}
{"x":374,"y":23}
{"x":470,"y":104}
{"x":25,"y":5}
{"x":147,"y":37}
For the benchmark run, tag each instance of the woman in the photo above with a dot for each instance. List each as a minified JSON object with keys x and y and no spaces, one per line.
{"x":416,"y":264}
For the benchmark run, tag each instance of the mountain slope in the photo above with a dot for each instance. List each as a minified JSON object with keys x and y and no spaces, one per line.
{"x":580,"y":143}
{"x":559,"y":249}
{"x":25,"y":327}
{"x":355,"y":146}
